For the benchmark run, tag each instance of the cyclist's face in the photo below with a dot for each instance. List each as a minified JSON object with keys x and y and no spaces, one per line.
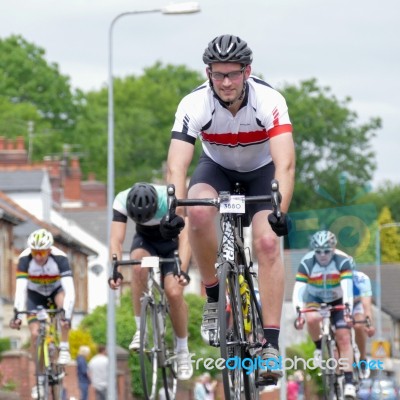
{"x":228,"y":87}
{"x":40,"y":256}
{"x":323,"y":256}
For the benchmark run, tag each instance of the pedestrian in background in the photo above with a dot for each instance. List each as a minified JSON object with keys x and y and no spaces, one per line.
{"x":82,"y":371}
{"x":98,"y":373}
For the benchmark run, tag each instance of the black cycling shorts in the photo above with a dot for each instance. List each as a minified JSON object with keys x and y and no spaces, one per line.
{"x":337,"y":317}
{"x":254,"y":183}
{"x":36,"y":299}
{"x":159,"y":248}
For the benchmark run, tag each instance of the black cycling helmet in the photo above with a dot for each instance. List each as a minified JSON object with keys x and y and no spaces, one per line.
{"x":228,"y":49}
{"x":141,"y":203}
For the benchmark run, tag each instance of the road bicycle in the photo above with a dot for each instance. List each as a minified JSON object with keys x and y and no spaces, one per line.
{"x":157,"y":338}
{"x":49,"y":374}
{"x":242,"y":339}
{"x":332,"y":374}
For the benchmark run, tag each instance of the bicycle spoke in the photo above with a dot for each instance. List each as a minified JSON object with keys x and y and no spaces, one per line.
{"x":148,"y":349}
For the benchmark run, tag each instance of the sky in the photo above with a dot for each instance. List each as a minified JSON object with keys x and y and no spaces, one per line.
{"x":351,"y":46}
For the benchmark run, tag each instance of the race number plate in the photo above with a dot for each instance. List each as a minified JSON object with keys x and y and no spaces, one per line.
{"x":150,"y":262}
{"x":235,"y":204}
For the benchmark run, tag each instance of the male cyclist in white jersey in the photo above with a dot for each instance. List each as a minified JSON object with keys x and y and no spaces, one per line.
{"x":246,"y":135}
{"x":145,"y":204}
{"x":325,"y":276}
{"x":44,"y":275}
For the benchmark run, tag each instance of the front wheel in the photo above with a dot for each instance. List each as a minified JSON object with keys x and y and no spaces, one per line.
{"x":327,"y":368}
{"x":149,"y":348}
{"x":41,"y":390}
{"x":231,"y":333}
{"x":169,"y":361}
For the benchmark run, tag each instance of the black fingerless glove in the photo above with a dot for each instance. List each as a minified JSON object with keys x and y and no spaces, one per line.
{"x":171,"y":229}
{"x":280,"y":226}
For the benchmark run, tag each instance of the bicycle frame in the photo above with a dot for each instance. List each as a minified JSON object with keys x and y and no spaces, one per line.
{"x":331,"y":378}
{"x":156,"y":352}
{"x":231,"y":264}
{"x":47,"y":345}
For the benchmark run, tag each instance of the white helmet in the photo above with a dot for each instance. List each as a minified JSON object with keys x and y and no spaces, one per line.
{"x":323,"y":240}
{"x":40,"y":240}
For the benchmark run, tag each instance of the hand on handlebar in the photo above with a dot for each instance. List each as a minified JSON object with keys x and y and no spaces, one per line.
{"x":171,"y":229}
{"x":299,"y":323}
{"x":15,"y":323}
{"x":348,"y":318}
{"x":114,"y":285}
{"x":183,"y":278}
{"x":281,"y":226}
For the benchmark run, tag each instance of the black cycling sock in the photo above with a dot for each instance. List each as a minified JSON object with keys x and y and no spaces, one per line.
{"x":212,"y":292}
{"x":271,"y":335}
{"x":318,"y":344}
{"x":348,"y":377}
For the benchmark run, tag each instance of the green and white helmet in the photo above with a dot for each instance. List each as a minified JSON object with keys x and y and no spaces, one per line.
{"x":40,"y":240}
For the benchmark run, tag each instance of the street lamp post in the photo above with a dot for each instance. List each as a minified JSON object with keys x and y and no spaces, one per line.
{"x":172,"y":9}
{"x":378,"y":275}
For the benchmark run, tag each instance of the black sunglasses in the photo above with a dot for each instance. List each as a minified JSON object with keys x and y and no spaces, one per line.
{"x":323,"y":251}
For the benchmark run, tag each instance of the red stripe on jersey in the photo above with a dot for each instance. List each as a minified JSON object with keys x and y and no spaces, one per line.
{"x":275,"y":114}
{"x":235,"y":139}
{"x":277,"y":130}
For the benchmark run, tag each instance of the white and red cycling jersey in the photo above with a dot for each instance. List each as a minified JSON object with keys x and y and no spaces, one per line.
{"x":239,"y":142}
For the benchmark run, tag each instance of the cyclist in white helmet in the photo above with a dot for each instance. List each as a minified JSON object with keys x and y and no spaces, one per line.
{"x":145,"y":204}
{"x":325,"y":276}
{"x":44,"y":275}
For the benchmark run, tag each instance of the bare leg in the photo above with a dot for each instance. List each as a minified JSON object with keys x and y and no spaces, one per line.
{"x":178,"y":307}
{"x":270,"y":269}
{"x":202,"y":233}
{"x":139,"y":280}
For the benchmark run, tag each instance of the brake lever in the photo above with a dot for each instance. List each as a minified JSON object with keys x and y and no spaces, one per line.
{"x":275,"y":198}
{"x":171,"y":201}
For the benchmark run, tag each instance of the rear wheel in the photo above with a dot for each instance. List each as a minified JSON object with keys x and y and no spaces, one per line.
{"x":149,"y":349}
{"x":231,"y":335}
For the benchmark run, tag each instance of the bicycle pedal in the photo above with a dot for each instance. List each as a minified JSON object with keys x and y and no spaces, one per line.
{"x":268,"y":381}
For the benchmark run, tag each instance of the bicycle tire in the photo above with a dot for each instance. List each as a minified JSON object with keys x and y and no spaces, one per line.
{"x":231,"y":337}
{"x":168,"y":367}
{"x":328,"y":373}
{"x":254,"y":347}
{"x":40,"y":370}
{"x":56,"y":376}
{"x":148,"y":350}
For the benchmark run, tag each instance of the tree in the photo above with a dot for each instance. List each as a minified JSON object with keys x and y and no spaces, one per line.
{"x":26,"y":77}
{"x":329,"y":141}
{"x":390,"y":238}
{"x":387,"y":194}
{"x":144,"y":113}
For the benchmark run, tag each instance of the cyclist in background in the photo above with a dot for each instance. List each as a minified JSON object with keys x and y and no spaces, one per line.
{"x":44,"y":275}
{"x":145,"y":204}
{"x":246,"y":135}
{"x":362,"y":292}
{"x":325,"y":276}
